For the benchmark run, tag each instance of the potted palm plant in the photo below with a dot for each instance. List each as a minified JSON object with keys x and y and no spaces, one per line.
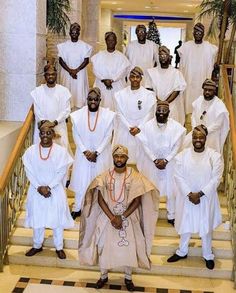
{"x":223,"y":14}
{"x":57,"y":23}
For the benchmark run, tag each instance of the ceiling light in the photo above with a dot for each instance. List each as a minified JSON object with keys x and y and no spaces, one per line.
{"x":114,"y":3}
{"x":147,"y":7}
{"x":119,"y":8}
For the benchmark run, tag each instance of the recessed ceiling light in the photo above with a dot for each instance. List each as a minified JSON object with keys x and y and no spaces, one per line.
{"x":114,"y":3}
{"x":147,"y":7}
{"x":119,"y":8}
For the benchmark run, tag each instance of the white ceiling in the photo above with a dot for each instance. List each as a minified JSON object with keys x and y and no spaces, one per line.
{"x":183,"y":7}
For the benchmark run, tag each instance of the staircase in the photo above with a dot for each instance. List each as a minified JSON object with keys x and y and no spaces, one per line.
{"x":164,"y":244}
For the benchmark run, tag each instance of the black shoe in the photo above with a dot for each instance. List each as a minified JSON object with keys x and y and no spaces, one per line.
{"x":210,"y":264}
{"x":61,"y":254}
{"x":33,"y":251}
{"x":129,"y":285}
{"x":176,"y":257}
{"x":75,"y":215}
{"x":101,"y":282}
{"x":172,"y":222}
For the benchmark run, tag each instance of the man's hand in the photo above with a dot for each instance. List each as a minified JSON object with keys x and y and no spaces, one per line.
{"x":73,"y":73}
{"x":90,"y":156}
{"x":160,"y":163}
{"x":194,"y":197}
{"x":93,"y":157}
{"x":108,"y":83}
{"x":134,"y":130}
{"x":117,"y":222}
{"x":44,"y":191}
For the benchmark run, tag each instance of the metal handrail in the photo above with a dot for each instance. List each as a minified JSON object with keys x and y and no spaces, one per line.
{"x":13,"y":184}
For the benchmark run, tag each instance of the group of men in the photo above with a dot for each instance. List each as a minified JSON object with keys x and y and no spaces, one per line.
{"x":131,"y":148}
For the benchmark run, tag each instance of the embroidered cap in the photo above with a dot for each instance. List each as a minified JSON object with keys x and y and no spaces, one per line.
{"x":164,"y":49}
{"x":163,"y":103}
{"x":74,"y":25}
{"x":202,"y":128}
{"x":199,"y":27}
{"x":95,"y":90}
{"x":45,"y":123}
{"x":137,"y":71}
{"x":209,"y":82}
{"x":119,"y":149}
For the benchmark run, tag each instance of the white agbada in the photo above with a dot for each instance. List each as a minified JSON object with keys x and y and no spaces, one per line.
{"x":160,"y":141}
{"x":52,"y":212}
{"x":52,"y":104}
{"x":113,"y":66}
{"x":164,"y":82}
{"x":73,"y":54}
{"x":196,"y":64}
{"x":142,"y":55}
{"x":99,"y":140}
{"x":215,"y":117}
{"x":196,"y":172}
{"x":134,"y":108}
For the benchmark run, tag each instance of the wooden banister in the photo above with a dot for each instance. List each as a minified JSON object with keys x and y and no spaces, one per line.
{"x":16,"y":150}
{"x":229,"y":104}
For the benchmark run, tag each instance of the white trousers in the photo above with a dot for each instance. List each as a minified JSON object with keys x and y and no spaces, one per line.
{"x":170,"y":206}
{"x":127,"y":270}
{"x":38,"y":237}
{"x":206,"y":245}
{"x":78,"y":202}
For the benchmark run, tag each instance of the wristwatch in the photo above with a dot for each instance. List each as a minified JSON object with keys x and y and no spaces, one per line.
{"x":201,"y":193}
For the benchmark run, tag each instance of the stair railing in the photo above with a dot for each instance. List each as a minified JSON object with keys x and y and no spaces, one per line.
{"x":226,"y":83}
{"x":13,"y":186}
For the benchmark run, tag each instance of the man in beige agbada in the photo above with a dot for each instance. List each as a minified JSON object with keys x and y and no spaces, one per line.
{"x":118,"y":220}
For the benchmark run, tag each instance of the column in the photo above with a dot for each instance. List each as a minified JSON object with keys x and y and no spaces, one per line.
{"x":22,"y":47}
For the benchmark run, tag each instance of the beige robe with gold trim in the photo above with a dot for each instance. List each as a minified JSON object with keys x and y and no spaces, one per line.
{"x":100,"y":243}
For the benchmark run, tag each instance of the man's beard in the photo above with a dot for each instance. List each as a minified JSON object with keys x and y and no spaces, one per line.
{"x":120,"y":166}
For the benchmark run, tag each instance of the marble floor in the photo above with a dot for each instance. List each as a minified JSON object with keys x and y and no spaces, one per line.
{"x":12,"y":273}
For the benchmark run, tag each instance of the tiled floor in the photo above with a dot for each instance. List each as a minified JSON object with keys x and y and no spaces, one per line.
{"x":12,"y":273}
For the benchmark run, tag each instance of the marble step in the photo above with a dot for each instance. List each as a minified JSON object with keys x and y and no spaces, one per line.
{"x":192,"y":266}
{"x":162,"y":245}
{"x":162,"y":210}
{"x":162,"y":229}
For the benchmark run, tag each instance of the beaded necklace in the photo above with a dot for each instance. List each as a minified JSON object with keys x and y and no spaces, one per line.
{"x":113,"y":198}
{"x":96,"y":120}
{"x":40,"y":152}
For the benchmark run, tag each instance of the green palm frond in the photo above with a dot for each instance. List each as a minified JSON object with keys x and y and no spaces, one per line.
{"x":57,"y":18}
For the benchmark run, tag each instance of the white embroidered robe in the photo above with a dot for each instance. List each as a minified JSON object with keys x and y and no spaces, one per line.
{"x":73,"y":54}
{"x":113,"y":66}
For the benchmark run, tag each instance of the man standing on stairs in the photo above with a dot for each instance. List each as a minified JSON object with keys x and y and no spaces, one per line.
{"x":142,"y":52}
{"x":168,"y":84}
{"x":161,"y":139}
{"x":198,"y":171}
{"x":197,"y":60}
{"x":74,"y":57}
{"x":46,"y":164}
{"x":118,"y":220}
{"x":92,"y":132}
{"x":210,"y":111}
{"x":135,"y":105}
{"x":110,"y":68}
{"x":52,"y":102}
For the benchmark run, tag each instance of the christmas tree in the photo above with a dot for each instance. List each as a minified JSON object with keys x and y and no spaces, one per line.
{"x":153,"y":33}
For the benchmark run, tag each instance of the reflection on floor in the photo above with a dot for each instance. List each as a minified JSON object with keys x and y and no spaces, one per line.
{"x":38,"y":285}
{"x":12,"y":274}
